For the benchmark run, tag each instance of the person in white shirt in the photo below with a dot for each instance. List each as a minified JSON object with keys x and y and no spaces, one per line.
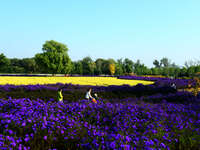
{"x":88,"y":94}
{"x":173,"y":86}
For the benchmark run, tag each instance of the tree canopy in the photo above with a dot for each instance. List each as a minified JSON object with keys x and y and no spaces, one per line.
{"x":54,"y":58}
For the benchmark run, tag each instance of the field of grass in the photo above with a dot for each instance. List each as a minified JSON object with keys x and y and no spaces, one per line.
{"x":96,"y":81}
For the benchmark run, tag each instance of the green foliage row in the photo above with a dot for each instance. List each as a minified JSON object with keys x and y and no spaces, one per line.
{"x":55,"y":60}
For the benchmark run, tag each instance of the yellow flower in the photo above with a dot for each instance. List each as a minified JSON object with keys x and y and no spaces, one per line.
{"x":95,"y":81}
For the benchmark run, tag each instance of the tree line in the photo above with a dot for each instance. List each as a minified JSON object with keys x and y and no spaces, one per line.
{"x":54,"y":59}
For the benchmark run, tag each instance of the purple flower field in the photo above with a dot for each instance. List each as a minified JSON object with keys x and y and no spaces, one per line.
{"x":180,"y":83}
{"x":155,"y":117}
{"x":35,"y":124}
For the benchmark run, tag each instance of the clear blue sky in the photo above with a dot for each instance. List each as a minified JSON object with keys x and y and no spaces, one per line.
{"x":134,"y":29}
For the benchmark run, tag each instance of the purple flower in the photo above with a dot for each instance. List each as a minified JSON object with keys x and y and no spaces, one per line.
{"x":26,"y":139}
{"x":20,"y":147}
{"x":62,"y":132}
{"x":10,"y":131}
{"x":45,"y":137}
{"x":13,"y":143}
{"x":162,"y":145}
{"x":125,"y":147}
{"x":112,"y":144}
{"x":128,"y":139}
{"x":23,"y":124}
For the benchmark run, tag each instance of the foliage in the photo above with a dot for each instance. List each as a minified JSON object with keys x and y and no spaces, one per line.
{"x":112,"y":69}
{"x":98,"y":68}
{"x":128,"y":65}
{"x":4,"y":63}
{"x":29,"y":65}
{"x":196,"y":87}
{"x":156,"y":63}
{"x":54,"y":58}
{"x":77,"y":68}
{"x":119,"y":67}
{"x":54,"y":46}
{"x":88,"y":67}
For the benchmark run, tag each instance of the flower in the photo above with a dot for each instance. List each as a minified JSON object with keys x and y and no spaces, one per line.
{"x":162,"y":145}
{"x":45,"y":137}
{"x":112,"y":144}
{"x":26,"y":139}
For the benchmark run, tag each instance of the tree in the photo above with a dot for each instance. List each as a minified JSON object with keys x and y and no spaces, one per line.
{"x":77,"y":68}
{"x":197,"y":69}
{"x":191,"y":71}
{"x":54,"y":58}
{"x":4,"y":63}
{"x":177,"y":72}
{"x":112,"y":69}
{"x":165,"y":62}
{"x":105,"y":66}
{"x":119,"y":67}
{"x":156,"y":63}
{"x":183,"y":72}
{"x":29,"y":65}
{"x":141,"y":69}
{"x":128,"y":65}
{"x":16,"y":66}
{"x":156,"y":71}
{"x":191,"y":63}
{"x":54,"y":46}
{"x":173,"y":65}
{"x":88,"y":66}
{"x":98,"y":68}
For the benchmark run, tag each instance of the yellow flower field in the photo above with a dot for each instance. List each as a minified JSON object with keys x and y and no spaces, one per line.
{"x":98,"y":81}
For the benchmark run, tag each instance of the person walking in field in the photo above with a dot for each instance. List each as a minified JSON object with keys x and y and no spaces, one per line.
{"x":59,"y":95}
{"x":89,"y":97}
{"x":173,"y":86}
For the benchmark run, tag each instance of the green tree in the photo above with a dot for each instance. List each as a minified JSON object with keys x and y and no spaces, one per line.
{"x":197,"y":68}
{"x":155,"y":71}
{"x":191,"y":71}
{"x":77,"y":68}
{"x":156,"y":63}
{"x":54,"y":58}
{"x":88,"y":66}
{"x":4,"y":63}
{"x":141,"y":69}
{"x":29,"y":65}
{"x":98,"y":68}
{"x":54,"y":46}
{"x":165,"y":62}
{"x":105,"y":66}
{"x":119,"y":67}
{"x":177,"y":72}
{"x":16,"y":66}
{"x":128,"y":65}
{"x":183,"y":72}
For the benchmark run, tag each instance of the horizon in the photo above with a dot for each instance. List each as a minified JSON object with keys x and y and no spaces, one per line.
{"x":145,"y":30}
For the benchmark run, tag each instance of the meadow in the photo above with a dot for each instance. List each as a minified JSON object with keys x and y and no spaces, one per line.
{"x":126,"y":117}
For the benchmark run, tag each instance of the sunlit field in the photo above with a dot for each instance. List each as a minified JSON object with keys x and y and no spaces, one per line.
{"x":96,"y":81}
{"x":124,"y":118}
